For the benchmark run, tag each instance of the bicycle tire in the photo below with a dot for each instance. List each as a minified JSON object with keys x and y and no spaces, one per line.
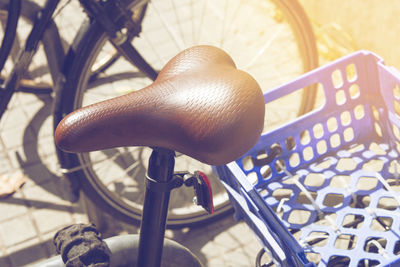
{"x":10,"y":30}
{"x":79,"y":166}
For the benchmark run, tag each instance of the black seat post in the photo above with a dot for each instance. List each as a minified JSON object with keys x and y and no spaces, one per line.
{"x":155,"y":208}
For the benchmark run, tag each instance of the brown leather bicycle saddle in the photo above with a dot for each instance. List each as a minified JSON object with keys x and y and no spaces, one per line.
{"x":199,"y":105}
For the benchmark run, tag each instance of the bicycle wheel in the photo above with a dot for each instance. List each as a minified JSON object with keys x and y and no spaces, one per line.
{"x":272,"y":40}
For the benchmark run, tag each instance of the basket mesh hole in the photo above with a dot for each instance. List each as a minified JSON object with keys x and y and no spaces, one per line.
{"x":296,"y":233}
{"x":394,"y":167}
{"x":372,"y":247}
{"x":354,"y":91}
{"x":396,"y":132}
{"x":340,"y":181}
{"x":303,"y":199}
{"x":368,"y":263}
{"x":345,"y":118}
{"x":299,"y":216}
{"x":280,"y":193}
{"x":264,"y":193}
{"x":334,"y":140}
{"x":294,"y":160}
{"x":360,"y":201}
{"x":377,"y":149}
{"x":252,"y":177}
{"x":356,"y":148}
{"x":359,"y":112}
{"x":326,"y":220}
{"x":332,"y":124}
{"x":346,"y":164}
{"x":266,"y":172}
{"x":337,"y":79}
{"x":333,"y":200}
{"x":305,"y":137}
{"x":396,"y":249}
{"x":308,"y":153}
{"x":247,"y":163}
{"x":290,"y":143}
{"x":354,"y":221}
{"x":313,"y":257}
{"x":335,"y":261}
{"x":318,"y":239}
{"x":348,"y":134}
{"x":367,"y":183}
{"x":396,"y":91}
{"x":276,"y":150}
{"x":318,"y":130}
{"x":261,"y":155}
{"x":387,"y":203}
{"x":378,"y":129}
{"x":374,"y":165}
{"x":314,"y":179}
{"x":324,"y":164}
{"x":340,"y":97}
{"x":322,"y":147}
{"x":381,"y":224}
{"x":345,"y":241}
{"x":375,"y":112}
{"x":291,"y":181}
{"x":394,"y":184}
{"x":351,"y":72}
{"x":280,"y":165}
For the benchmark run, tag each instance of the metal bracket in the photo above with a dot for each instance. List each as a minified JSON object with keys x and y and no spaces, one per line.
{"x":155,"y":186}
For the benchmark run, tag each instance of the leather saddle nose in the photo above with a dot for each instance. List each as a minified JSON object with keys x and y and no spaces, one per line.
{"x":199,"y":105}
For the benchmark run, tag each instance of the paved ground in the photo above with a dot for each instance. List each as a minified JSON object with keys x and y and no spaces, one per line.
{"x":30,"y":217}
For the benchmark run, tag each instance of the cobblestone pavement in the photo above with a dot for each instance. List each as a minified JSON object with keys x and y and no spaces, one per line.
{"x":30,"y":217}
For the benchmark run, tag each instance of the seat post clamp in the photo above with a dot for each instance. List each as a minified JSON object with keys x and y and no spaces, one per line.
{"x":162,"y":187}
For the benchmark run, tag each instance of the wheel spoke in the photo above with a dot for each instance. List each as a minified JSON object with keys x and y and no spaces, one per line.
{"x":264,"y":48}
{"x":201,"y":23}
{"x":174,"y":37}
{"x":178,"y":22}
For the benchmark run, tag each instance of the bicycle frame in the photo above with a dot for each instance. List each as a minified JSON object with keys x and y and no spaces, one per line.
{"x":14,"y":10}
{"x":43,"y":20}
{"x":45,"y":29}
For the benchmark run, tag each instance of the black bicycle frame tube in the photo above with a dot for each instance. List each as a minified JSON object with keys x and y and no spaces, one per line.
{"x":155,"y":208}
{"x":14,"y":10}
{"x":25,"y":56}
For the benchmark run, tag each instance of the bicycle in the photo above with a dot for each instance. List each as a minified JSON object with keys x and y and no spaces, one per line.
{"x":215,"y":114}
{"x":122,"y":161}
{"x":85,"y":66}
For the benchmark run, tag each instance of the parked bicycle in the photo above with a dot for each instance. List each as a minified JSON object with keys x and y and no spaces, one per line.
{"x":199,"y":105}
{"x":276,"y":35}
